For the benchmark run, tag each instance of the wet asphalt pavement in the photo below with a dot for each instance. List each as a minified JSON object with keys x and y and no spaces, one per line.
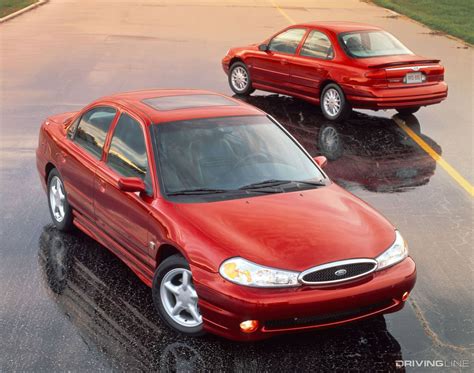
{"x":66,"y":303}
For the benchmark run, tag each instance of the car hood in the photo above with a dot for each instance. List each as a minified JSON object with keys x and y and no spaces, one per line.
{"x":295,"y":230}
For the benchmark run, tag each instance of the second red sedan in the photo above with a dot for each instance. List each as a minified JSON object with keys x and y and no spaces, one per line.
{"x":339,"y":65}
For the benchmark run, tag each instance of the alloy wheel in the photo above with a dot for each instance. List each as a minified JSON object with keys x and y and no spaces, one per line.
{"x":57,"y":199}
{"x":179,"y":297}
{"x":332,"y":102}
{"x":239,"y":78}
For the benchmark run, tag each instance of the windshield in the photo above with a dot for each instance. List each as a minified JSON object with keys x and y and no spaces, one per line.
{"x":363,"y":44}
{"x":228,"y":154}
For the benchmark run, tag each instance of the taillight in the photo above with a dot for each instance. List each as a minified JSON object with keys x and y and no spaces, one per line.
{"x":376,"y":74}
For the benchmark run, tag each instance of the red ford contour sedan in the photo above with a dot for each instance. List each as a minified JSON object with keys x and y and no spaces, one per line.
{"x":339,"y":65}
{"x":222,"y":213}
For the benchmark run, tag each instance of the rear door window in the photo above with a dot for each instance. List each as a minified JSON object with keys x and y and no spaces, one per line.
{"x":317,"y":45}
{"x":92,"y":129}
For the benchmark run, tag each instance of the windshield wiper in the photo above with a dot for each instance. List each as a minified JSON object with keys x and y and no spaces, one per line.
{"x":274,"y":182}
{"x":265,"y":184}
{"x":197,"y":191}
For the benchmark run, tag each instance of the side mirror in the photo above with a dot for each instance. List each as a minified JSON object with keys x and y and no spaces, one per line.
{"x":131,"y":184}
{"x":321,"y":161}
{"x":263,"y":47}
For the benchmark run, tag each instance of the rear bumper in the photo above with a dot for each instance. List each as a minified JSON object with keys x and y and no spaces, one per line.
{"x":390,"y":98}
{"x":225,"y":305}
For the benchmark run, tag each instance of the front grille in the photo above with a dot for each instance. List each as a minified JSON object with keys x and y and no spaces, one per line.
{"x":326,"y":318}
{"x":329,"y":274}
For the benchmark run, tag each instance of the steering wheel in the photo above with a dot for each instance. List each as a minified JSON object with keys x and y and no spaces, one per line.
{"x":257,"y":155}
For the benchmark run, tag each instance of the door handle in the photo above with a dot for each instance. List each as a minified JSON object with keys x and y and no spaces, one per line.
{"x":284,"y":62}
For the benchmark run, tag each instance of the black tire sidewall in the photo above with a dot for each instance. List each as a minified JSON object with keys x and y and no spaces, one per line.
{"x":408,"y":111}
{"x":249,"y":89}
{"x":174,"y":261}
{"x":66,"y":224}
{"x":345,"y":107}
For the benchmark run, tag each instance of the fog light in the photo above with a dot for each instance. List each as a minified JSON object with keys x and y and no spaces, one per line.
{"x":249,"y":326}
{"x":405,"y":296}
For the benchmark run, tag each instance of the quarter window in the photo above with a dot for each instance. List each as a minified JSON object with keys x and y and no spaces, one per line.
{"x":92,"y":130}
{"x":317,"y":45}
{"x":287,"y":41}
{"x":127,"y":154}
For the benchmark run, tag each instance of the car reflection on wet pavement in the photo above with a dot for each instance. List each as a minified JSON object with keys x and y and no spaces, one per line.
{"x":113,"y":313}
{"x":365,"y":151}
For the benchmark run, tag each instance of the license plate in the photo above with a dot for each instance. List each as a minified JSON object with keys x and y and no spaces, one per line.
{"x":414,"y":78}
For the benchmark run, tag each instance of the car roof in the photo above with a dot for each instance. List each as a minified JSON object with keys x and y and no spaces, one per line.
{"x":167,"y":105}
{"x":338,"y":26}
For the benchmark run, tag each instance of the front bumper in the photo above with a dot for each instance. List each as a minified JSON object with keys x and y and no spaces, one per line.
{"x":225,"y":305}
{"x":226,"y":63}
{"x":390,"y":98}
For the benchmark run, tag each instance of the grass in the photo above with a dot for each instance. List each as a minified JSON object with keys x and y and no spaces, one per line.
{"x":454,"y":17}
{"x":10,"y":6}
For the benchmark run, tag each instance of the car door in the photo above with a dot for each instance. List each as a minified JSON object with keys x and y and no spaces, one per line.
{"x":272,"y":67}
{"x":312,"y":64}
{"x":125,"y":216}
{"x":85,"y":142}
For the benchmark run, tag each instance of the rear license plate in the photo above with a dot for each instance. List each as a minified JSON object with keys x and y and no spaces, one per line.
{"x":411,"y":78}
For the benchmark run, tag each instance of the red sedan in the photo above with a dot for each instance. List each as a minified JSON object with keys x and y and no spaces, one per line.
{"x":218,"y":209}
{"x":339,"y":65}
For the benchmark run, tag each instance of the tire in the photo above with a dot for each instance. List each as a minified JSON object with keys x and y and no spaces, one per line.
{"x":59,"y":208}
{"x":333,"y":103}
{"x":330,"y":142}
{"x":408,"y":110}
{"x":172,"y":271}
{"x":239,"y":79}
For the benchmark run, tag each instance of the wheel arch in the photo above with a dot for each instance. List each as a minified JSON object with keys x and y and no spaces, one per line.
{"x":48,"y":168}
{"x":326,"y":82}
{"x":234,"y":60}
{"x":165,"y":251}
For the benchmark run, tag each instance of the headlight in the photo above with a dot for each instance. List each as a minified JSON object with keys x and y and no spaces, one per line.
{"x":393,"y":255}
{"x":243,"y":272}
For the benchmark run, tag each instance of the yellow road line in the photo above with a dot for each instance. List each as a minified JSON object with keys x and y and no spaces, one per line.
{"x":421,"y":143}
{"x":439,"y":160}
{"x":282,"y":12}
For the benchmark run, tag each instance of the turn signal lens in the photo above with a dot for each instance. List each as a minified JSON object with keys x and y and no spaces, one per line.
{"x":249,"y":326}
{"x":405,"y":296}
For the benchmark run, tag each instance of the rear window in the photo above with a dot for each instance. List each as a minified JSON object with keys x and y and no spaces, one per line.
{"x":187,"y":102}
{"x":364,"y":44}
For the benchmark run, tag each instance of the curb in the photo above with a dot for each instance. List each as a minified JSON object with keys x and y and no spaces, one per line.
{"x":24,"y":10}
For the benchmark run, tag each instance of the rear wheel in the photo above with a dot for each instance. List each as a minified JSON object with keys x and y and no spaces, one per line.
{"x":175,"y":297}
{"x":408,"y":110}
{"x":59,"y":207}
{"x":333,"y":103}
{"x":239,"y":79}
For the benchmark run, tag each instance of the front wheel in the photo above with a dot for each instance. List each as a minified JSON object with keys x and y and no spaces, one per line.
{"x":59,"y":207}
{"x":239,"y":79}
{"x":175,"y":297}
{"x":408,"y":110}
{"x":333,"y":103}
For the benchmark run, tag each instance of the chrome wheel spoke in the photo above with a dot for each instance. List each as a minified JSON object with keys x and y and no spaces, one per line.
{"x":192,"y":309}
{"x":172,"y":288}
{"x":178,"y":307}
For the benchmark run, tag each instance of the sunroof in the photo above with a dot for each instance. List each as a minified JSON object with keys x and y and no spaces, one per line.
{"x":187,"y":101}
